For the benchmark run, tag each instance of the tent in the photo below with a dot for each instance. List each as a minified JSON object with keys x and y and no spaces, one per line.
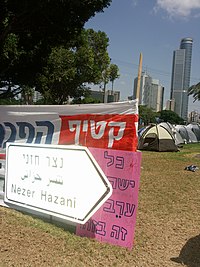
{"x":195,"y":129}
{"x":157,"y":138}
{"x":171,"y":128}
{"x":141,"y":130}
{"x":186,"y":133}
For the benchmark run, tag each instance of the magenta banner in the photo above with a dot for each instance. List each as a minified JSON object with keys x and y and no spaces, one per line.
{"x":115,"y":221}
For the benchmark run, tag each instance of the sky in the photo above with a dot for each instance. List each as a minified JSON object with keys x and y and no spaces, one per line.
{"x":155,"y":29}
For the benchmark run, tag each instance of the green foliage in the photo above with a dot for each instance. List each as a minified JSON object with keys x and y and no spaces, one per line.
{"x":9,"y":101}
{"x":29,"y":30}
{"x":68,"y":70}
{"x":106,"y":75}
{"x":171,"y":117}
{"x":97,"y":43}
{"x":10,"y":49}
{"x":85,"y":100}
{"x":146,"y":115}
{"x":114,"y":73}
{"x":110,"y":73}
{"x":27,"y":95}
{"x":195,"y":91}
{"x":56,"y":75}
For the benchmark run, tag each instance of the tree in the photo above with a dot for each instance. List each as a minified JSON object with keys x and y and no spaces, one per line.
{"x":69,"y":70}
{"x":146,"y":115}
{"x":9,"y":101}
{"x":171,"y":117}
{"x":195,"y":91}
{"x":110,"y":73}
{"x":30,"y":29}
{"x":114,"y":73}
{"x":27,"y":95}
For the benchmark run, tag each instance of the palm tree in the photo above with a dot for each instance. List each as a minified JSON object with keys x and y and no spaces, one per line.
{"x":114,"y":73}
{"x":195,"y":91}
{"x":27,"y":95}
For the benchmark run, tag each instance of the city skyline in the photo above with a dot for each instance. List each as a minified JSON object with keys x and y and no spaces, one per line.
{"x":153,"y":29}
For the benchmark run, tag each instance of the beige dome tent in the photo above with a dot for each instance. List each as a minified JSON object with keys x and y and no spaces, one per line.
{"x":177,"y":137}
{"x":157,"y":138}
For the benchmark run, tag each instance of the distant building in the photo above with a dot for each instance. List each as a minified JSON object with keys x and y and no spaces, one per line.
{"x":37,"y":96}
{"x":180,"y":81}
{"x":143,"y":84}
{"x":151,"y":92}
{"x":194,"y":116}
{"x":111,"y":96}
{"x":97,"y":95}
{"x":154,"y":95}
{"x":170,"y":105}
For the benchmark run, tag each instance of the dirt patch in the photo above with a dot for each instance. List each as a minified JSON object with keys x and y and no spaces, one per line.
{"x":192,"y":155}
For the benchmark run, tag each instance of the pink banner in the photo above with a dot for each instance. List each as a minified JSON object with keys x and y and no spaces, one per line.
{"x":115,"y":221}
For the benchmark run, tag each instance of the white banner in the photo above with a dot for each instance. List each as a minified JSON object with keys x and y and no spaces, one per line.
{"x":111,"y":125}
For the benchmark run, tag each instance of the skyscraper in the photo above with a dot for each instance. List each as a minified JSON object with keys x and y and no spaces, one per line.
{"x":151,"y":92}
{"x":180,"y":82}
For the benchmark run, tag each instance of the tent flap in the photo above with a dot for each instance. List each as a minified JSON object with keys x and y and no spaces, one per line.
{"x":167,"y":145}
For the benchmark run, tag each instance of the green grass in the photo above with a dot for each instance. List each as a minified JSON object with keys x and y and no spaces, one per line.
{"x":168,"y":216}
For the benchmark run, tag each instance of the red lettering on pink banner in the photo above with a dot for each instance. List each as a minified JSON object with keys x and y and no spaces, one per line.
{"x":114,"y":131}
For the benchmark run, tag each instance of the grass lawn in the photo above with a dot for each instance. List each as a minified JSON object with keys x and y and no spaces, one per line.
{"x":167,"y":229}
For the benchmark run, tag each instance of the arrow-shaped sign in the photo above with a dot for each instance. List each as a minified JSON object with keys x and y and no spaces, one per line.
{"x":63,"y":181}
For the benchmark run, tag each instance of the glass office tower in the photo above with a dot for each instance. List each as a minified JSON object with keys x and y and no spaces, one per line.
{"x":180,"y":82}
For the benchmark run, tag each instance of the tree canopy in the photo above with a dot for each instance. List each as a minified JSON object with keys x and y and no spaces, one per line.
{"x":114,"y":73}
{"x":31,"y":30}
{"x":171,"y":117}
{"x":69,"y":70}
{"x":146,"y":115}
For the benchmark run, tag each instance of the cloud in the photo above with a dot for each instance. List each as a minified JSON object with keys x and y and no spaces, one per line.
{"x":134,"y":2}
{"x":179,"y":8}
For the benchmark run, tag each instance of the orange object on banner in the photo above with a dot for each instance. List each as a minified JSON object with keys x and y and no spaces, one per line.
{"x":113,"y":131}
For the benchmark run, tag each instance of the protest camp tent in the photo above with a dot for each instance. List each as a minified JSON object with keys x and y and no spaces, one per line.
{"x":186,"y":133}
{"x":192,"y":136}
{"x":171,"y":128}
{"x":195,"y":129}
{"x":157,"y":138}
{"x":141,"y":130}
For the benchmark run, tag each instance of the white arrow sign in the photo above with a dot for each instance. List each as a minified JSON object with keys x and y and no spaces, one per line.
{"x":63,"y":181}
